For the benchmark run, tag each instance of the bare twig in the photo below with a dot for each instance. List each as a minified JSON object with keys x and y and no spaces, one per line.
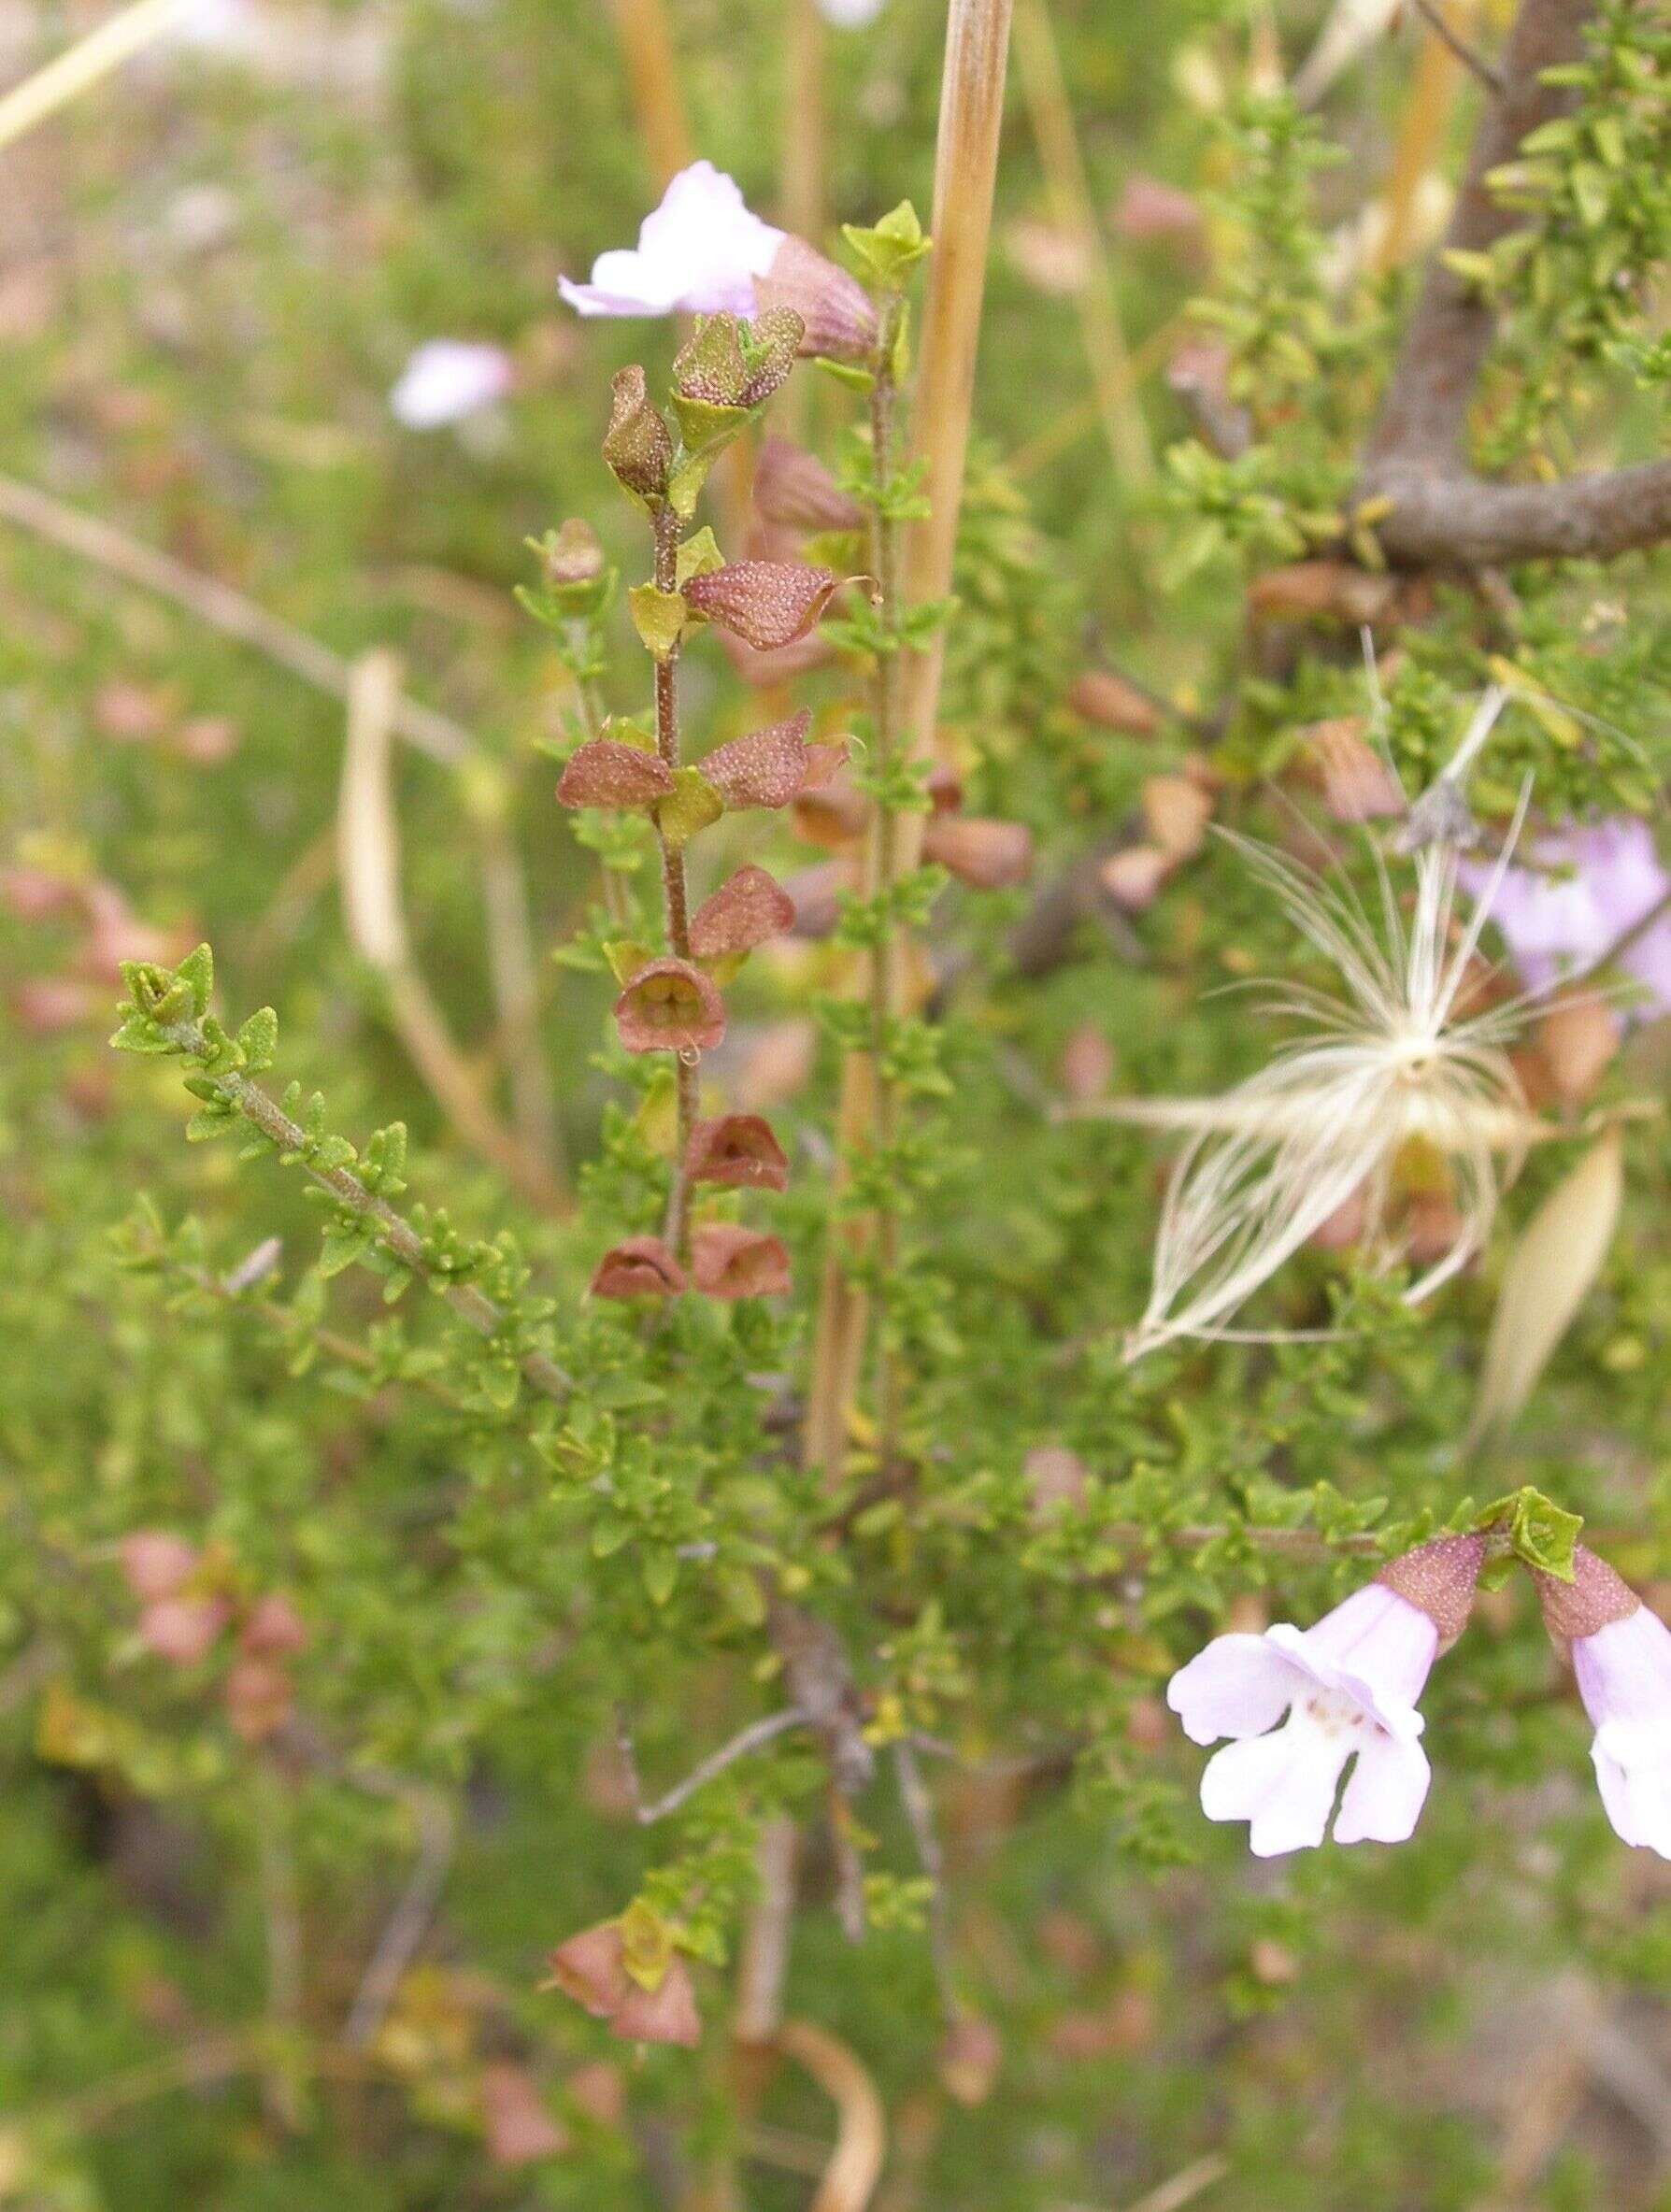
{"x":1461,"y":521}
{"x":753,"y":1738}
{"x":405,"y":1927}
{"x":764,"y":1960}
{"x":920,"y":1816}
{"x":1470,"y":58}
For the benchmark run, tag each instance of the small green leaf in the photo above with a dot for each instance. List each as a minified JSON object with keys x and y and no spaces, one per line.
{"x":658,"y":617}
{"x":258,"y":1040}
{"x":197,"y":972}
{"x":699,"y":555}
{"x":690,"y":805}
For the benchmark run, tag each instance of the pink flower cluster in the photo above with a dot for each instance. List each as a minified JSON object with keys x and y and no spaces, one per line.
{"x":1299,"y":1704}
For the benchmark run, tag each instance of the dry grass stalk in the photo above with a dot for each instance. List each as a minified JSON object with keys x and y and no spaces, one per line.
{"x":368,"y":866}
{"x":1051,"y":113}
{"x":855,"y":2164}
{"x":92,"y":59}
{"x":1419,"y":145}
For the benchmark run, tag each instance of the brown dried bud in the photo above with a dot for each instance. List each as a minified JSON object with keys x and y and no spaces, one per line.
{"x":597,"y":2090}
{"x":1054,"y":1477}
{"x":182,"y":1629}
{"x":731,"y":1261}
{"x":991,"y":855}
{"x":257,"y":1696}
{"x":670,"y":1007}
{"x":766,"y":768}
{"x":1356,"y":783}
{"x":1113,"y":703}
{"x":1439,"y":1579}
{"x":767,"y":604}
{"x":970,"y":2056}
{"x":1087,"y":1065}
{"x":1595,"y":1596}
{"x":779,"y":1064}
{"x":1332,"y":591}
{"x":571,"y":555}
{"x":591,"y":1968}
{"x":666,"y":2014}
{"x":516,"y":2124}
{"x":747,"y":910}
{"x":836,"y":310}
{"x":817,"y":892}
{"x":795,"y":490}
{"x":156,"y":1562}
{"x":274,"y":1629}
{"x":1576,"y":1039}
{"x":1147,"y":208}
{"x":738,"y":1148}
{"x":637,"y":444}
{"x":1133,"y":877}
{"x":604,"y":772}
{"x":638,"y":1267}
{"x":1176,"y":811}
{"x":832,"y":813}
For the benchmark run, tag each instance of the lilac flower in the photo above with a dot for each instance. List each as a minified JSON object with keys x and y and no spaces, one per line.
{"x":1588,"y":887}
{"x":699,"y":254}
{"x":1621,"y":1656}
{"x":446,"y":379}
{"x":1345,"y":1687}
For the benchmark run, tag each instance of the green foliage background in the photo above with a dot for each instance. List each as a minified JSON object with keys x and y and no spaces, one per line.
{"x":487,"y":1581}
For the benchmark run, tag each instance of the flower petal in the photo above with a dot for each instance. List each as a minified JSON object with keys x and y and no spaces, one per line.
{"x":1634,"y":1780}
{"x":1388,"y":1788}
{"x":1239,"y":1686}
{"x":1378,"y":1644}
{"x":1282,"y":1785}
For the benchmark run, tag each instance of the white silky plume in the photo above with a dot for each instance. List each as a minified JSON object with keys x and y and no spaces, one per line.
{"x":1387,"y":1061}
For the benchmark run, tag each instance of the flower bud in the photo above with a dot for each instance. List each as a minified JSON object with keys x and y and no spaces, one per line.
{"x":156,"y":1562}
{"x":795,"y":490}
{"x":1133,"y":877}
{"x":990,"y":855}
{"x":1592,"y":1601}
{"x":737,"y":1149}
{"x":637,"y":445}
{"x":1357,"y":784}
{"x":1439,"y":1578}
{"x":729,"y":363}
{"x":604,"y":772}
{"x":515,"y":2123}
{"x":1176,"y":812}
{"x":838,"y":316}
{"x":666,"y":2014}
{"x":766,"y":768}
{"x":571,"y":555}
{"x":183,"y":1630}
{"x":638,"y":1267}
{"x":1576,"y":1039}
{"x":1112,"y":703}
{"x":670,"y":1007}
{"x":591,"y":1968}
{"x":767,"y":604}
{"x":728,"y":1260}
{"x":274,"y":1629}
{"x":747,"y":910}
{"x":258,"y":1698}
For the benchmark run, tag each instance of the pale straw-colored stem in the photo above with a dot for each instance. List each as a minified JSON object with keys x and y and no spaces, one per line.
{"x":117,"y":40}
{"x":652,"y":78}
{"x":1417,"y":149}
{"x":1051,"y":113}
{"x":965,"y":174}
{"x":368,"y":866}
{"x":803,"y":158}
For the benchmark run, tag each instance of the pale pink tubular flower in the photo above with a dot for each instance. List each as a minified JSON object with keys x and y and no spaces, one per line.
{"x":1346,"y":1687}
{"x":446,"y":380}
{"x":1621,"y":1656}
{"x":1586,"y":887}
{"x":699,"y":254}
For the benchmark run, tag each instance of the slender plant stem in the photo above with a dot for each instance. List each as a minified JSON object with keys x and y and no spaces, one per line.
{"x":676,"y":899}
{"x":393,"y":1230}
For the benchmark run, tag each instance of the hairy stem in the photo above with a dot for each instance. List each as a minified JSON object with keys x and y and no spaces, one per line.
{"x":676,"y":900}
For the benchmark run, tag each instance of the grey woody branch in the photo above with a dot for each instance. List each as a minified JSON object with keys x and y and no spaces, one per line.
{"x":1442,"y":514}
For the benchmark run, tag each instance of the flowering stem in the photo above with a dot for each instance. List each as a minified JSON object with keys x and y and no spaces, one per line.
{"x":675,"y":899}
